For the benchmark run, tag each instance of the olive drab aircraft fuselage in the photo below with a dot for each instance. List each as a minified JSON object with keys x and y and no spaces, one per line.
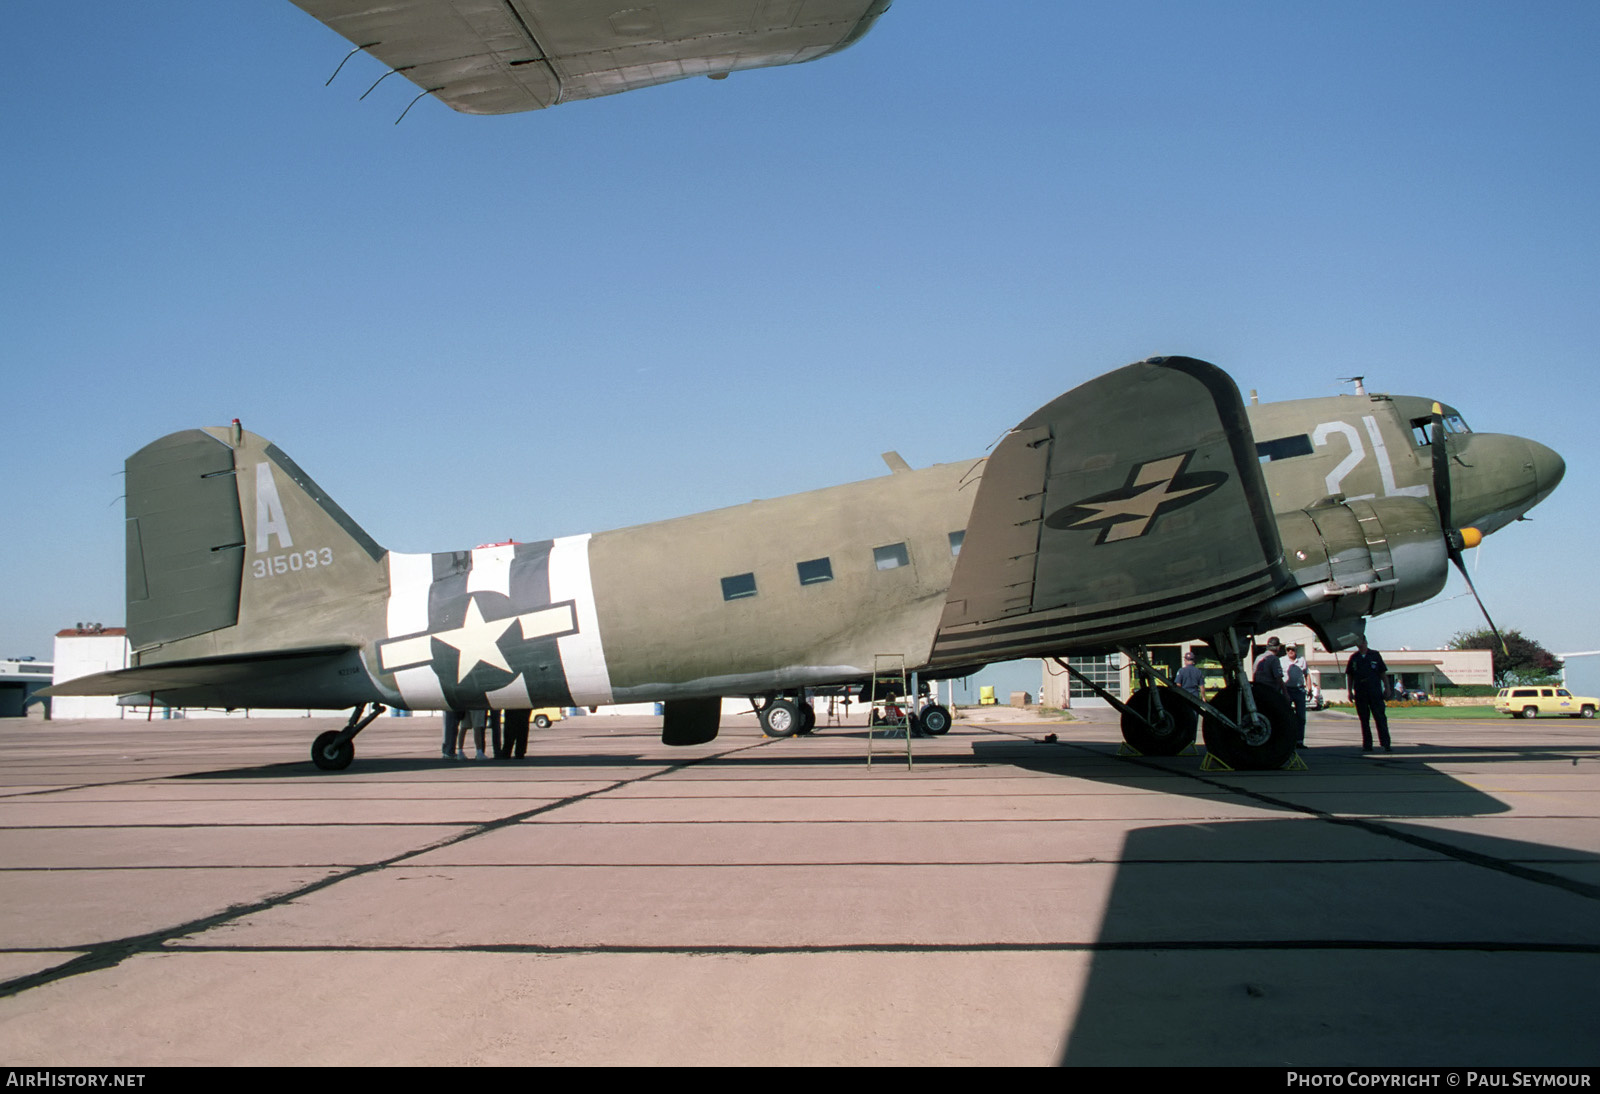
{"x":1147,"y":505}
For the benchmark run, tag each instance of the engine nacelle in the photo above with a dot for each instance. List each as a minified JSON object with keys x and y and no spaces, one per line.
{"x":1352,"y":559}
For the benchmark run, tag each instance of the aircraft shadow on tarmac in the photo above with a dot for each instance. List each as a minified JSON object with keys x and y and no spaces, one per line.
{"x":1341,"y":942}
{"x":1338,"y":781}
{"x":1358,"y":785}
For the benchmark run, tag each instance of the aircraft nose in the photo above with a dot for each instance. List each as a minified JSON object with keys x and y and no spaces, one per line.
{"x":1498,"y":477}
{"x":1548,"y":469}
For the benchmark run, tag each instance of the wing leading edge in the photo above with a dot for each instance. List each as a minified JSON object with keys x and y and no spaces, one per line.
{"x":505,"y":56}
{"x":1130,"y":509}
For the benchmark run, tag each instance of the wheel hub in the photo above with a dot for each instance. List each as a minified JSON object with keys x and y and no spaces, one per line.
{"x":1255,"y":728}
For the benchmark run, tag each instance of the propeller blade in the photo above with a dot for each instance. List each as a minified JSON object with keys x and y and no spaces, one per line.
{"x":1455,"y":556}
{"x":1441,"y":468}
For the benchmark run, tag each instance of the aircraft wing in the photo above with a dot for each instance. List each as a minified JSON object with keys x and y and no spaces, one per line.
{"x":1130,"y":509}
{"x":504,"y":56}
{"x":321,"y":675}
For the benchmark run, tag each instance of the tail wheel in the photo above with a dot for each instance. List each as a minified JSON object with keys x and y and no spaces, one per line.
{"x":328,"y":754}
{"x":1268,"y":738}
{"x":1166,"y":734}
{"x":781,"y":718}
{"x":935,"y":720}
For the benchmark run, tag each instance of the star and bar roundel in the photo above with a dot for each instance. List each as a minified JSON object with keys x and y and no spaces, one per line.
{"x":1154,"y":488}
{"x":469,"y":628}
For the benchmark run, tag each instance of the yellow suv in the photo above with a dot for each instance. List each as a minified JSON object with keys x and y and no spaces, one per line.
{"x":1532,"y":702}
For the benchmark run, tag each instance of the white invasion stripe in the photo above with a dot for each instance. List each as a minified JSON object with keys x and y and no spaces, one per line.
{"x":407,"y":651}
{"x":514,"y":696}
{"x":582,"y":655}
{"x":556,"y":620}
{"x":409,"y":579}
{"x":419,"y":687}
{"x":491,"y":569}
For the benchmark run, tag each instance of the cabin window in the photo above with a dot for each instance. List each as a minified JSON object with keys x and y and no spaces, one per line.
{"x":891,"y":557}
{"x":738,"y":586}
{"x":815,"y":571}
{"x":1283,"y":448}
{"x":955,"y":541}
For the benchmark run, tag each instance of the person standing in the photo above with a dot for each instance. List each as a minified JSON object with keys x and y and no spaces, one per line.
{"x":452,"y":733}
{"x":1364,"y":674}
{"x":1294,"y":678}
{"x":1269,"y":669}
{"x":516,"y":734}
{"x":1190,"y":678}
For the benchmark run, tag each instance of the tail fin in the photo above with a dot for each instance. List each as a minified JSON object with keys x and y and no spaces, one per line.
{"x":232,"y":549}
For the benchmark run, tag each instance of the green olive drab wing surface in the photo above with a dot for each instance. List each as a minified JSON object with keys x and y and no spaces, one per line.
{"x":1129,"y":509}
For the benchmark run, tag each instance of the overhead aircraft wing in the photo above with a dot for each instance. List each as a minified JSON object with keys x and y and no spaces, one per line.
{"x":1130,"y":509}
{"x":504,"y":56}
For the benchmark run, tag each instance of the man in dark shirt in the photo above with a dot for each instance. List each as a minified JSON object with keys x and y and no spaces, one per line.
{"x":1190,"y":678}
{"x":1269,"y":669}
{"x":1364,"y":674}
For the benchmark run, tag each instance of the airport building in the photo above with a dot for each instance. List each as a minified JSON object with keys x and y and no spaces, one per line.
{"x":19,"y":678}
{"x":1409,"y":670}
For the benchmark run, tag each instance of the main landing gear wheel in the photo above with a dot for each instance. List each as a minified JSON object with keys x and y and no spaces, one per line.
{"x":1164,"y":734}
{"x":781,"y":718}
{"x":328,"y":754}
{"x":1268,"y":738}
{"x":935,"y":720}
{"x":808,"y":719}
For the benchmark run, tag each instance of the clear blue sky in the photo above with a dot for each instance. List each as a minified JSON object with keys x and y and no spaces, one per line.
{"x":472,"y":329}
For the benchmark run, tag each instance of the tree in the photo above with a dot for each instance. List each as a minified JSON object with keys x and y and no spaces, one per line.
{"x":1527,"y":662}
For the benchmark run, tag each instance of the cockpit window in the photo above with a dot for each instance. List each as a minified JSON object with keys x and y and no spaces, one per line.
{"x":1453,"y":424}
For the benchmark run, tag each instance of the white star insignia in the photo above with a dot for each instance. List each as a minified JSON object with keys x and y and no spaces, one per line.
{"x":477,"y":639}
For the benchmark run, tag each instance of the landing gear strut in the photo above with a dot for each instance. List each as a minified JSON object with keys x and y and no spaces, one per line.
{"x":333,"y":750}
{"x":1157,"y":720}
{"x":1249,"y":727}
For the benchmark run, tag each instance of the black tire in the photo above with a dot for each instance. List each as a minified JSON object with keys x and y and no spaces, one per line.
{"x":1586,"y":712}
{"x":1172,"y":735}
{"x":781,"y":718}
{"x":1530,"y":712}
{"x":328,"y":755}
{"x":542,"y":721}
{"x":935,"y":720}
{"x":808,"y":719}
{"x":1267,"y":745}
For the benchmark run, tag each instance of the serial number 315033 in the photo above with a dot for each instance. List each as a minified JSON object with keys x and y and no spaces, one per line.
{"x":293,"y":563}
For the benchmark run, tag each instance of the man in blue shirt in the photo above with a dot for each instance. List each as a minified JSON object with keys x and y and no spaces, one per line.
{"x":1364,"y":676}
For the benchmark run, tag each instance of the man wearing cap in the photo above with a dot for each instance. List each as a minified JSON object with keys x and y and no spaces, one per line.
{"x":1190,"y":678}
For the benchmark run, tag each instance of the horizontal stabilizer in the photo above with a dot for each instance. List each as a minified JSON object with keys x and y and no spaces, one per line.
{"x":228,"y":671}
